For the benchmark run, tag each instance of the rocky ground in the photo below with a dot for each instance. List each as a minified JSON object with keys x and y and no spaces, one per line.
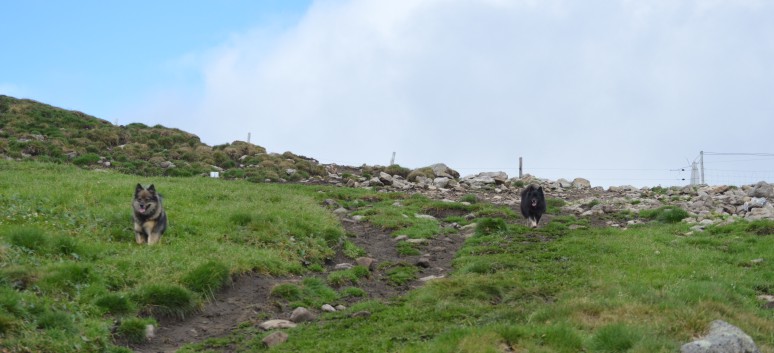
{"x":248,"y":300}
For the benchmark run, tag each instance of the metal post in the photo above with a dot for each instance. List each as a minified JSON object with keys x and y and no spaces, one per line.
{"x":248,"y":137}
{"x":520,"y":170}
{"x":392,"y":160}
{"x":701,"y":161}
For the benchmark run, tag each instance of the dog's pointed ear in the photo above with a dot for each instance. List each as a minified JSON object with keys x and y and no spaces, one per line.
{"x":138,"y":189}
{"x":152,"y":189}
{"x":540,"y":189}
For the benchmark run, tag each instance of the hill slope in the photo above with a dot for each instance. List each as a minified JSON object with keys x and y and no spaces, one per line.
{"x":33,"y":130}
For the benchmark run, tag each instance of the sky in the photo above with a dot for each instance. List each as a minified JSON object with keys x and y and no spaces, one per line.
{"x":620,"y":92}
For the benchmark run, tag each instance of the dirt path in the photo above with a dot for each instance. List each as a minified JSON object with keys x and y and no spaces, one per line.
{"x":248,"y":300}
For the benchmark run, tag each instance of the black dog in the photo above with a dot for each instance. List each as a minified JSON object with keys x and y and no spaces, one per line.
{"x":533,"y":204}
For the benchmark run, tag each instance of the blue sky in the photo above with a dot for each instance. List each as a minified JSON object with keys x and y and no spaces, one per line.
{"x":616,"y":91}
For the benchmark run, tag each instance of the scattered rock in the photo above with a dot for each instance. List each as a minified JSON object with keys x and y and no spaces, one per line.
{"x":722,"y":338}
{"x":301,"y":314}
{"x":150,"y":332}
{"x":276,"y":324}
{"x":274,"y":339}
{"x":366,"y":262}
{"x":423,"y":262}
{"x":328,"y":308}
{"x":363,"y":314}
{"x":343,"y":266}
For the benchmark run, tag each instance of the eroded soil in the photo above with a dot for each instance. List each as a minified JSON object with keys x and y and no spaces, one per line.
{"x":248,"y":300}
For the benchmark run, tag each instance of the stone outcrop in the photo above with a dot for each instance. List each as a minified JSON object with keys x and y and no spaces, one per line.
{"x":707,"y":205}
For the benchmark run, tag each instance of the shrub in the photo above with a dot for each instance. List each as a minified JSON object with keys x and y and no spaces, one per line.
{"x":17,"y":277}
{"x":86,"y":159}
{"x":133,"y":329}
{"x":761,"y":227}
{"x":352,"y":251}
{"x":665,"y":214}
{"x":614,"y":338}
{"x":396,"y":169}
{"x":8,"y":323}
{"x":426,"y":172}
{"x":241,"y":219}
{"x":352,"y":292}
{"x":115,"y":303}
{"x":469,"y":198}
{"x":166,"y":300}
{"x":55,"y":320}
{"x":487,"y":226}
{"x":66,"y":246}
{"x":407,"y":249}
{"x":69,"y":277}
{"x":553,"y":205}
{"x":340,"y":278}
{"x":207,"y":278}
{"x":29,"y":238}
{"x":401,"y":274}
{"x":287,"y":291}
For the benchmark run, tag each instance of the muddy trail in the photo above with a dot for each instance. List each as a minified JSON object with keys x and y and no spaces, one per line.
{"x":248,"y":299}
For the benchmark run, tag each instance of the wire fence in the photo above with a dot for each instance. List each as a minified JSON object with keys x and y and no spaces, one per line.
{"x":732,"y":168}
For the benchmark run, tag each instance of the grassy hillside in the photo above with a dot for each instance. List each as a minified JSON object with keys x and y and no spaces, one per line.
{"x":647,"y":290}
{"x":68,"y":255}
{"x":70,"y":270}
{"x":33,"y":130}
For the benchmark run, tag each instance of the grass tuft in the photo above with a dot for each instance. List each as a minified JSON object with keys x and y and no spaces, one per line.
{"x":665,"y":214}
{"x":116,"y":304}
{"x":166,"y":300}
{"x":614,"y":338}
{"x":207,"y":278}
{"x":30,"y":238}
{"x":133,"y":329}
{"x":487,"y":226}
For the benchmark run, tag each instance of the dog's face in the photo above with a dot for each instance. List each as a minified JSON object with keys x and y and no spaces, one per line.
{"x":534,"y":195}
{"x":146,"y":201}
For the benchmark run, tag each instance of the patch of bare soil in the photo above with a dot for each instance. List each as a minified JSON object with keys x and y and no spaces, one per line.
{"x":248,"y":299}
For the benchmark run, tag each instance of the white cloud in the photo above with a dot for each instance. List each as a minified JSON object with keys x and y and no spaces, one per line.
{"x":567,"y":85}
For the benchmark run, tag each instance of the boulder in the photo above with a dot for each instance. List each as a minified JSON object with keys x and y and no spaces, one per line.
{"x":442,"y":170}
{"x":385,"y":178}
{"x":722,"y":338}
{"x":301,"y":314}
{"x":580,"y":183}
{"x":761,"y":189}
{"x":275,"y":338}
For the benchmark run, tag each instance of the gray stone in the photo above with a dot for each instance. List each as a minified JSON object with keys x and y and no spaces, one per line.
{"x":762,"y":189}
{"x":366,"y":262}
{"x":425,"y":216}
{"x":328,"y":308}
{"x":275,"y":324}
{"x":301,"y":314}
{"x":442,"y":170}
{"x":385,"y":178}
{"x":580,"y":183}
{"x":343,"y":266}
{"x":274,"y":339}
{"x":441,"y":182}
{"x":722,"y":338}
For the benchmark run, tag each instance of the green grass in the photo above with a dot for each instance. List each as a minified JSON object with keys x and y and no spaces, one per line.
{"x":66,"y":242}
{"x":556,"y":290}
{"x":646,"y":289}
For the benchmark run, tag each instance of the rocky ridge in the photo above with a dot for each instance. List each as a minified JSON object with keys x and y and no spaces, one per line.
{"x":706,"y":204}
